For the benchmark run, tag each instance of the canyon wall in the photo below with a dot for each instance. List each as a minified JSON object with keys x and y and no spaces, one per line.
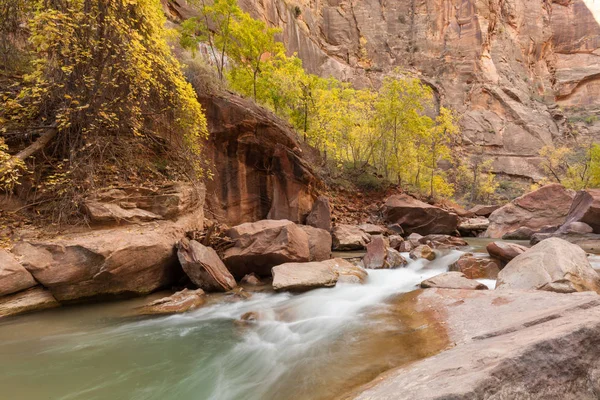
{"x":522,"y":73}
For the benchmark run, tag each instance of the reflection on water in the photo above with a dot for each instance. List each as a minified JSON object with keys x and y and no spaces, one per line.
{"x":310,"y":346}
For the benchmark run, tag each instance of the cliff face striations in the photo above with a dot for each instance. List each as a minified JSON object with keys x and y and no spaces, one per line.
{"x":514,"y":69}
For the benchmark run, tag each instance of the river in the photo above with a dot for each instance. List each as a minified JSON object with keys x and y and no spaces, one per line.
{"x":315,"y":345}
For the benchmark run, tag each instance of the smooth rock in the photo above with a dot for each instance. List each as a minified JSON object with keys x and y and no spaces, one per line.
{"x":204,"y":267}
{"x":473,"y":226}
{"x":553,"y":265}
{"x":505,"y":251}
{"x":349,"y":237}
{"x":578,"y":228}
{"x":484,"y":210}
{"x":300,"y":277}
{"x":319,"y":243}
{"x":346,"y":271}
{"x":422,"y":251}
{"x":415,"y":216}
{"x":584,"y":209}
{"x":394,"y":259}
{"x":32,"y":299}
{"x":376,"y":255}
{"x":476,"y":268}
{"x":261,"y":245}
{"x":452,"y":280}
{"x":13,"y":276}
{"x":179,"y":302}
{"x":320,"y":215}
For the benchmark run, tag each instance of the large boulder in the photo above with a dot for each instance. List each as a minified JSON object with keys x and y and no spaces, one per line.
{"x":13,"y":276}
{"x":179,"y":302}
{"x":349,"y":237}
{"x":128,"y":260}
{"x":505,"y":251}
{"x":320,"y":215}
{"x":476,"y":268}
{"x":554,"y":265}
{"x":452,"y":280}
{"x":32,"y":299}
{"x":261,"y":245}
{"x":415,"y":216}
{"x":380,"y":256}
{"x":584,"y":209}
{"x":482,"y":210}
{"x":204,"y":267}
{"x":549,"y":205}
{"x":319,"y":243}
{"x":300,"y":277}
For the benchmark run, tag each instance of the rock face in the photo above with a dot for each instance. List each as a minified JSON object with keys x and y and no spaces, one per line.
{"x":319,"y":243}
{"x":261,"y":245}
{"x":320,"y":215}
{"x":33,"y":299}
{"x":553,"y":265}
{"x":548,"y":205}
{"x":180,"y":302}
{"x":349,"y":237}
{"x":585,"y":209}
{"x":476,"y":268}
{"x":505,"y":251}
{"x":452,"y":280}
{"x":507,"y":345}
{"x":13,"y":277}
{"x":204,"y":267}
{"x":417,"y":217}
{"x":259,"y":172}
{"x":305,"y":276}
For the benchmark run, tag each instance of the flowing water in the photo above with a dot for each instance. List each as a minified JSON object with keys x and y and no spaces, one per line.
{"x":316,"y":345}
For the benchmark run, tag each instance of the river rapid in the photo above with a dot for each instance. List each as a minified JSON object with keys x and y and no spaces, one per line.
{"x":316,"y":345}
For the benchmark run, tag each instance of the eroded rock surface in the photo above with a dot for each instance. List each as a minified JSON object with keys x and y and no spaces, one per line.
{"x":179,"y":302}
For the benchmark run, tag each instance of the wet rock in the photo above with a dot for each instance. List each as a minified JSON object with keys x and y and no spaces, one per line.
{"x":320,"y":215}
{"x":204,"y":267}
{"x":32,"y":299}
{"x":549,"y":205}
{"x":396,"y":241}
{"x":179,"y":302}
{"x":484,"y":210}
{"x":134,"y":260}
{"x":346,"y":271}
{"x":422,"y":251}
{"x":452,"y":280}
{"x":415,"y":216}
{"x":553,"y":265}
{"x":299,"y":277}
{"x":349,"y":237}
{"x":394,"y":259}
{"x":252,"y":280}
{"x":261,"y":245}
{"x":13,"y":276}
{"x":476,"y":268}
{"x":504,"y":251}
{"x":319,"y":243}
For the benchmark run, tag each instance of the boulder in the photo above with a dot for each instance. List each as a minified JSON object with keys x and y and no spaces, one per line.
{"x":179,"y":302}
{"x":414,"y":239}
{"x":380,"y":256}
{"x":406,"y":247}
{"x":504,"y":251}
{"x":130,"y":260}
{"x":204,"y":267}
{"x":484,"y":210}
{"x":32,"y":299}
{"x":396,"y":229}
{"x":319,"y":243}
{"x":476,"y":268}
{"x":298,"y":277}
{"x":349,"y":237}
{"x":415,"y":216}
{"x":346,"y":271}
{"x":452,"y":280}
{"x":422,"y":251}
{"x":578,"y":228}
{"x":522,"y":233}
{"x":261,"y":245}
{"x":549,"y":205}
{"x":442,"y":241}
{"x":586,"y":209}
{"x":320,"y":215}
{"x":13,"y":276}
{"x":395,"y":241}
{"x":473,"y":226}
{"x":589,"y":242}
{"x":553,"y":265}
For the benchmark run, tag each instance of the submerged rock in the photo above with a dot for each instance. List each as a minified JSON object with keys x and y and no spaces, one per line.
{"x":179,"y":302}
{"x":452,"y":280}
{"x":261,"y":245}
{"x":349,"y":237}
{"x":553,"y":265}
{"x":415,"y":216}
{"x":204,"y":267}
